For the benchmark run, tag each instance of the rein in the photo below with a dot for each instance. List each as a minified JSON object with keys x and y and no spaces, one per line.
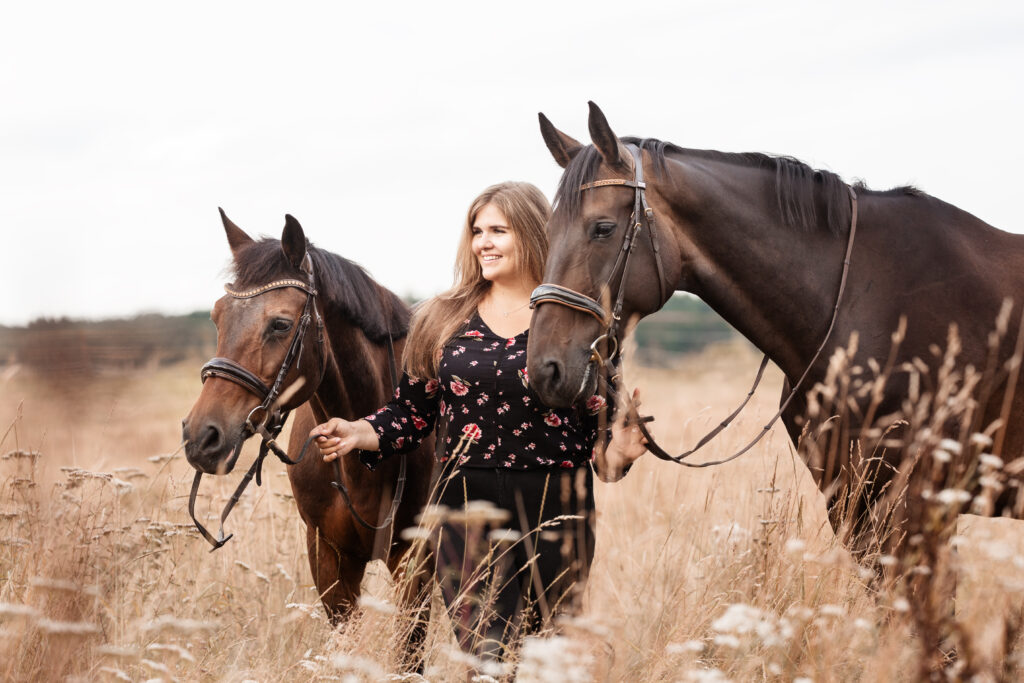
{"x":557,"y":294}
{"x":267,"y":422}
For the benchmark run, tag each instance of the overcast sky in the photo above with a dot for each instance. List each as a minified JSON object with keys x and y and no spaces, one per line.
{"x":124,"y":125}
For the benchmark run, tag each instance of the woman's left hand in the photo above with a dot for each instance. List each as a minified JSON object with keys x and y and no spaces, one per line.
{"x":625,"y":447}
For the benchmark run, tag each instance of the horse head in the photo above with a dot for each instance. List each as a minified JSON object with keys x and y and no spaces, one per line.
{"x":270,"y":347}
{"x":605,"y":271}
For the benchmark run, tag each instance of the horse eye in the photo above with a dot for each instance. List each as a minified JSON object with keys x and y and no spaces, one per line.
{"x":281,"y":325}
{"x":604,"y":229}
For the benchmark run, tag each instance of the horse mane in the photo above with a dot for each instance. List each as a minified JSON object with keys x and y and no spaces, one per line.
{"x":796,"y":183}
{"x":340,"y":283}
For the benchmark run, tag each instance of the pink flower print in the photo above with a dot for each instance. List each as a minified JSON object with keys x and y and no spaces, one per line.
{"x":567,"y":464}
{"x":531,"y":446}
{"x":482,"y":399}
{"x":465,"y":410}
{"x":595,"y":403}
{"x":526,"y":400}
{"x":510,"y":341}
{"x":443,"y":407}
{"x":399,"y":442}
{"x":472,"y":363}
{"x":525,"y":425}
{"x":476,"y":334}
{"x":512,"y":357}
{"x":562,"y":447}
{"x":432,"y":386}
{"x":418,"y":422}
{"x":470,"y":435}
{"x":458,"y":386}
{"x":497,"y":372}
{"x":524,"y":377}
{"x":552,"y":420}
{"x":517,"y":432}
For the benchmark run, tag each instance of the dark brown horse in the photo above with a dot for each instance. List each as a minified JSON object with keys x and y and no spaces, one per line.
{"x":762,"y":240}
{"x":339,"y":370}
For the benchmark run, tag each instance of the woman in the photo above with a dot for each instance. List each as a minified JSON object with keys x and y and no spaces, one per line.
{"x":465,"y":360}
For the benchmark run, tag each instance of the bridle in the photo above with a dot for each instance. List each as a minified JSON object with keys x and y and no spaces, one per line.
{"x":610,"y":320}
{"x":266,"y":420}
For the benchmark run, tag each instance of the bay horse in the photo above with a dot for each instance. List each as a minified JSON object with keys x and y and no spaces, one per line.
{"x":316,"y":327}
{"x":763,"y":241}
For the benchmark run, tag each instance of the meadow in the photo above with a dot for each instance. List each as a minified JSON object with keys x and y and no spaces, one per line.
{"x":724,"y":573}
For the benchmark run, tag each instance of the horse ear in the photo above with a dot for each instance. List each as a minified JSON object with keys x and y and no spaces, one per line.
{"x":562,"y":147}
{"x":293,"y":241}
{"x":608,"y":144}
{"x":237,"y":238}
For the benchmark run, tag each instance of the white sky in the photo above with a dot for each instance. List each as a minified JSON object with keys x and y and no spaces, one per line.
{"x":124,"y":125}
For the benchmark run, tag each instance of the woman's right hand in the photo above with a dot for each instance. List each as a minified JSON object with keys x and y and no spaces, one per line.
{"x":336,"y":437}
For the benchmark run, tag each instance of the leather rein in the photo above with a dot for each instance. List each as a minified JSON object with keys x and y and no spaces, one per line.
{"x":610,"y":320}
{"x":266,"y":421}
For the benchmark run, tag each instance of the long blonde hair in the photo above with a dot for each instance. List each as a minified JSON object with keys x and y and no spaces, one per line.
{"x":437,"y":320}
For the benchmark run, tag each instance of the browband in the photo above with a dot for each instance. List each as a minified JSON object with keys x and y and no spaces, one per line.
{"x":277,"y":284}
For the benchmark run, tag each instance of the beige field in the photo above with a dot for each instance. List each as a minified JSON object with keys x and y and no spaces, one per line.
{"x":726,"y":573}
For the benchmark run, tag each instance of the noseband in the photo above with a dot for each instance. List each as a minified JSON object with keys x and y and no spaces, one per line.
{"x":557,"y":294}
{"x":264,"y":420}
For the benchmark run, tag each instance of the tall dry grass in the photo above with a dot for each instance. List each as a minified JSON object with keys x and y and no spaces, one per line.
{"x":729,"y":573}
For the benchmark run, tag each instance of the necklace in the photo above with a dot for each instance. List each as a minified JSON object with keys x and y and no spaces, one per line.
{"x":517,"y":308}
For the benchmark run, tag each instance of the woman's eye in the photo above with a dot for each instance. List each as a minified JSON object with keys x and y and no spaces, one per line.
{"x":281,"y":325}
{"x":604,"y":229}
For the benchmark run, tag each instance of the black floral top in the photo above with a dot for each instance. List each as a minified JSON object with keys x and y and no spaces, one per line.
{"x":494,"y":418}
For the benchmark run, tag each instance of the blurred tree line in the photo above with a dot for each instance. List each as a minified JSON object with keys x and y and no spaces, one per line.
{"x":67,"y":347}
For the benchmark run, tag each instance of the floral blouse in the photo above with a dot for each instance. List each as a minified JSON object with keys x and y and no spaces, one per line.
{"x":494,"y":417}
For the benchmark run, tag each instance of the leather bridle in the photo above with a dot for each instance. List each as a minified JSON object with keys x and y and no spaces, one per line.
{"x":266,"y":420}
{"x":610,"y":320}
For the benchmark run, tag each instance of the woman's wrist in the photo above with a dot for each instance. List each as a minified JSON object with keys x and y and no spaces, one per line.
{"x":366,"y":436}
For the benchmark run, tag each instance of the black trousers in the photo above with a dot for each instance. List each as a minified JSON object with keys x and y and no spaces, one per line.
{"x":500,"y":586}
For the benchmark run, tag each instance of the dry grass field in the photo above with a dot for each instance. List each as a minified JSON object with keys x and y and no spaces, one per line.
{"x":726,"y":573}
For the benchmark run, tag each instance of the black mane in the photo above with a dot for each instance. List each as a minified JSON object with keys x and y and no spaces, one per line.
{"x":377,"y":311}
{"x":795,"y":182}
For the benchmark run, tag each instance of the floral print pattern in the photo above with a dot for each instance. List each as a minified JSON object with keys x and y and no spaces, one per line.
{"x":494,"y":417}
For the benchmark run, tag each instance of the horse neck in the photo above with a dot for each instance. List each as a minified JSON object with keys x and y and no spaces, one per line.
{"x":775,"y":283}
{"x":356,"y":381}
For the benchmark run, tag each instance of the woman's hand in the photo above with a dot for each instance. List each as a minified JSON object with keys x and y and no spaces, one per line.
{"x":336,"y":437}
{"x":625,"y":447}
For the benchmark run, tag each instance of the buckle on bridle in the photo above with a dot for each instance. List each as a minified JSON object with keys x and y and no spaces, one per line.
{"x":254,"y":428}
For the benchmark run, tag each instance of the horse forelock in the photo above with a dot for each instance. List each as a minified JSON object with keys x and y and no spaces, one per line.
{"x":342,"y":285}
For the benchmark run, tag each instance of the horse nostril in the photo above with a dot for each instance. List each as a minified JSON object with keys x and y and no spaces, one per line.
{"x":209,"y":441}
{"x":553,"y":369}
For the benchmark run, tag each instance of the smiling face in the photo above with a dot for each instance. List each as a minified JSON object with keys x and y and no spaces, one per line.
{"x":495,"y":246}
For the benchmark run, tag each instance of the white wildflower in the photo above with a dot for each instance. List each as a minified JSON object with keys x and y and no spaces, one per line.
{"x":953,"y":496}
{"x":363,"y":665}
{"x":941,"y":455}
{"x":863,"y":624}
{"x":689,"y":646}
{"x":794,"y":546}
{"x":706,"y":676}
{"x":67,"y":628}
{"x":555,"y":658}
{"x":726,"y":640}
{"x":980,"y":439}
{"x":504,"y":536}
{"x":16,"y":610}
{"x":169,"y":624}
{"x":832,"y":610}
{"x":368,"y":602}
{"x":415,"y":533}
{"x":116,"y":673}
{"x":951,"y":445}
{"x":733,"y":534}
{"x":901,"y":605}
{"x":176,"y":650}
{"x":992,"y":461}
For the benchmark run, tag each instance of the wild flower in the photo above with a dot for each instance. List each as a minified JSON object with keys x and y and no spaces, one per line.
{"x":415,"y":533}
{"x":705,"y":676}
{"x":368,"y":602}
{"x":18,"y":611}
{"x":115,"y":673}
{"x":177,"y":650}
{"x":176,"y":625}
{"x":689,"y":646}
{"x":504,"y":536}
{"x":953,"y":496}
{"x":67,"y":628}
{"x":555,"y":659}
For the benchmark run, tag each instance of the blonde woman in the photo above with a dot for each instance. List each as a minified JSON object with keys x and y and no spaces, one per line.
{"x":465,"y":360}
